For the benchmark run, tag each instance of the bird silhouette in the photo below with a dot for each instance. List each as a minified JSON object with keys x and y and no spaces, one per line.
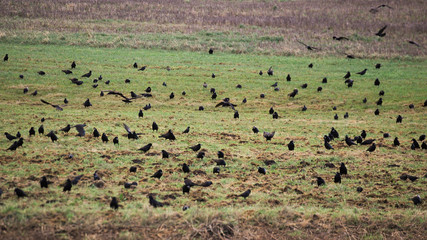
{"x":255,"y":129}
{"x":368,"y":142}
{"x":114,"y":203}
{"x":268,"y":136}
{"x":6,"y":58}
{"x":359,"y":189}
{"x":347,"y":75}
{"x":413,"y":43}
{"x":261,"y":170}
{"x":186,"y":189}
{"x":275,"y":115}
{"x":372,"y":148}
{"x":146,"y":148}
{"x":327,"y":145}
{"x":95,"y":133}
{"x":196,"y":148}
{"x":87,"y":103}
{"x":245,"y":194}
{"x":381,"y":32}
{"x":44,"y":183}
{"x":76,"y":180}
{"x":32,"y":132}
{"x":291,"y":145}
{"x":165,"y":154}
{"x":96,"y":177}
{"x":206,"y":184}
{"x":187,"y":130}
{"x":169,"y":135}
{"x":116,"y":140}
{"x":270,"y":71}
{"x":20,"y":193}
{"x":220,"y":154}
{"x":349,"y":141}
{"x":158,"y":174}
{"x":87,"y":75}
{"x":16,"y":144}
{"x":142,"y":68}
{"x":133,"y":169}
{"x":337,"y":178}
{"x":67,"y":186}
{"x":216,"y":170}
{"x":42,"y":73}
{"x":52,"y":136}
{"x":416,"y":200}
{"x":378,"y":65}
{"x":377,"y":112}
{"x":34,"y":93}
{"x":293,"y":93}
{"x":220,"y":162}
{"x":310,"y":65}
{"x":200,"y":155}
{"x":185,"y":168}
{"x":154,"y":126}
{"x":415,"y":144}
{"x":153,"y":202}
{"x":211,"y":51}
{"x":41,"y":129}
{"x":396,"y":142}
{"x":135,"y":65}
{"x":288,"y":78}
{"x":377,"y":82}
{"x":57,"y":107}
{"x":363,"y":72}
{"x":73,"y":64}
{"x":9,"y":136}
{"x":343,"y":169}
{"x":304,"y":108}
{"x":320,"y":181}
{"x":104,"y":138}
{"x":399,"y":119}
{"x":172,"y":95}
{"x":311,"y":48}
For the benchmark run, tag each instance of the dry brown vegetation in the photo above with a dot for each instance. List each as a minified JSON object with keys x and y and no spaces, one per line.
{"x":269,"y":27}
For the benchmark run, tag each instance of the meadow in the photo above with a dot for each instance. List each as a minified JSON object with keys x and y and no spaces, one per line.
{"x":285,"y":203}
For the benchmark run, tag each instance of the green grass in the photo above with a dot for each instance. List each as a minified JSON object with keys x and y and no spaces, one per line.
{"x":273,"y":201}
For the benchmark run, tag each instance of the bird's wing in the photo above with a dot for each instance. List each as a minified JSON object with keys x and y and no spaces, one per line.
{"x":382,"y":30}
{"x":302,"y":43}
{"x":220,"y":104}
{"x":43,"y":101}
{"x":80,"y":129}
{"x":127,"y":128}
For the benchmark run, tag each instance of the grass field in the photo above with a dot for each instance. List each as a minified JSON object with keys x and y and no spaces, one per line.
{"x":286,"y":203}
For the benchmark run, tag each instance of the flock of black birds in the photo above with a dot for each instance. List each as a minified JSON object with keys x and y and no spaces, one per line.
{"x":169,"y":135}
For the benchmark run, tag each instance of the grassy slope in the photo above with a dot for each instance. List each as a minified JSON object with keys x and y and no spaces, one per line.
{"x":273,"y":203}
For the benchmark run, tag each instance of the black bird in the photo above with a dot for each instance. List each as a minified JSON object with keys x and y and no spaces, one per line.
{"x":378,"y":65}
{"x":104,"y":138}
{"x":185,"y":189}
{"x":236,"y":114}
{"x":415,"y":143}
{"x":146,"y":148}
{"x":172,"y":95}
{"x":343,"y":169}
{"x":411,"y":106}
{"x":67,"y":186}
{"x":220,"y":154}
{"x":386,"y":135}
{"x":365,"y":100}
{"x":220,"y":162}
{"x":41,"y":129}
{"x":255,"y":129}
{"x":359,"y":189}
{"x":41,"y":73}
{"x":271,"y":111}
{"x":76,"y":180}
{"x":307,"y":46}
{"x":21,"y":76}
{"x":368,"y":142}
{"x":147,"y":106}
{"x":270,"y":71}
{"x":381,"y":32}
{"x":154,"y":126}
{"x":73,"y":64}
{"x":380,"y":102}
{"x":423,"y":145}
{"x":142,"y":68}
{"x":422,"y":138}
{"x":87,"y":75}
{"x":310,"y":65}
{"x":304,"y":108}
{"x":320,"y":181}
{"x":32,"y":132}
{"x":238,"y":86}
{"x":44,"y":183}
{"x":377,"y":112}
{"x":339,"y":38}
{"x":399,"y":119}
{"x":381,"y":93}
{"x":20,"y":193}
{"x":96,"y":176}
{"x":377,"y":82}
{"x":183,"y":93}
{"x":349,"y":141}
{"x":245,"y":194}
{"x":275,"y":115}
{"x":288,"y":78}
{"x":260,"y":73}
{"x":416,"y":200}
{"x":206,"y":184}
{"x":6,"y":58}
{"x":216,"y":170}
{"x":34,"y":93}
{"x":158,"y":174}
{"x":95,"y":133}
{"x":135,"y":65}
{"x":261,"y":170}
{"x":87,"y":103}
{"x":116,"y":140}
{"x":196,"y":148}
{"x":200,"y":155}
{"x":337,"y":178}
{"x":126,"y":80}
{"x":57,"y":107}
{"x":133,"y":169}
{"x":185,"y":168}
{"x":154,"y":203}
{"x":140,"y":114}
{"x":413,"y":43}
{"x":335,"y":133}
{"x":18,"y":134}
{"x":25,"y":90}
{"x":328,"y":146}
{"x":201,"y":108}
{"x":189,"y":183}
{"x":275,"y":84}
{"x":293,"y":93}
{"x":114,"y":203}
{"x":187,"y":130}
{"x":291,"y":145}
{"x":349,"y":82}
{"x":396,"y":142}
{"x":9,"y":136}
{"x":213,"y":75}
{"x":244,"y":100}
{"x":304,"y":85}
{"x":372,"y":148}
{"x":165,"y":154}
{"x":169,"y":135}
{"x":362,"y":72}
{"x":336,"y":116}
{"x":148,"y":90}
{"x":65,"y":100}
{"x":211,"y":51}
{"x":346,"y":115}
{"x":214,"y":95}
{"x":268,"y":136}
{"x":67,"y":72}
{"x":52,"y":136}
{"x":347,"y":75}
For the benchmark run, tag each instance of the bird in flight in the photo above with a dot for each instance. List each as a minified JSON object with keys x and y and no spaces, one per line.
{"x":311,"y":48}
{"x":381,"y":32}
{"x":57,"y":107}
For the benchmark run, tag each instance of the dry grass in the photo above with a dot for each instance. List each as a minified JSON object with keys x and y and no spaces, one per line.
{"x":266,"y":27}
